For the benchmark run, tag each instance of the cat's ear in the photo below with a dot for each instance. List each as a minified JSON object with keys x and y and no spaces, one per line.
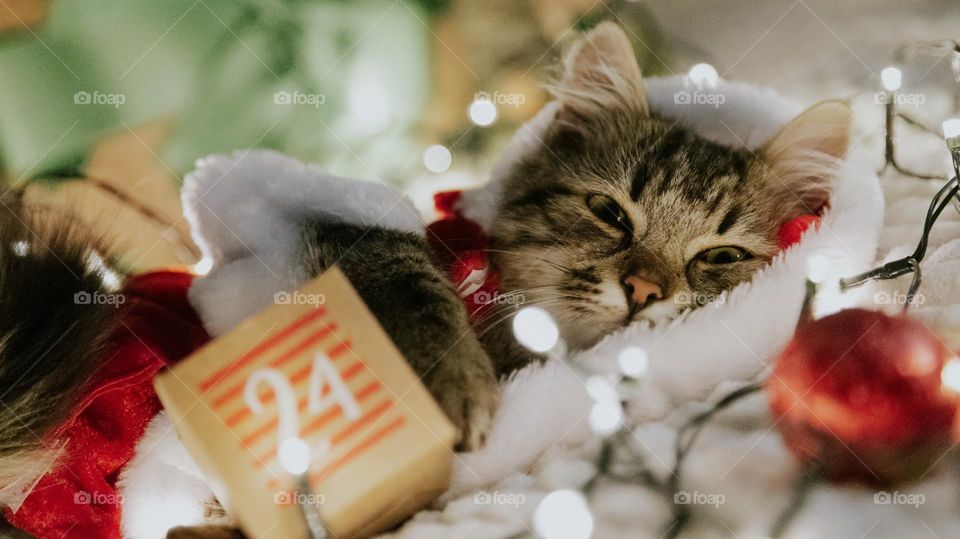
{"x":600,"y":75}
{"x":801,"y":159}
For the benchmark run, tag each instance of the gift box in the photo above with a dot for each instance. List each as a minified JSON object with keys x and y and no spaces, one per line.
{"x":315,"y":366}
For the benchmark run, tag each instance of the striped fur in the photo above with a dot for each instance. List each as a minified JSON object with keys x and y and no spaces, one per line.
{"x":682,"y":195}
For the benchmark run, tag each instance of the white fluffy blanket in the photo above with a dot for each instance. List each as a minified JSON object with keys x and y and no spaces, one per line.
{"x":244,"y":210}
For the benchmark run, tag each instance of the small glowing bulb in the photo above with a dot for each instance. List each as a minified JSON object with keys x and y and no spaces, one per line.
{"x":482,"y":112}
{"x":20,"y":248}
{"x":951,"y":128}
{"x":891,"y":78}
{"x":818,"y":267}
{"x":633,"y":361}
{"x":437,"y":158}
{"x":605,"y":418}
{"x":203,"y":266}
{"x":950,"y":375}
{"x":704,"y":76}
{"x":563,"y":514}
{"x":294,"y":455}
{"x":535,"y":329}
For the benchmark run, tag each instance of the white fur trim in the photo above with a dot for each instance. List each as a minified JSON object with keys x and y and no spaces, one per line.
{"x":161,"y":487}
{"x":246,"y":212}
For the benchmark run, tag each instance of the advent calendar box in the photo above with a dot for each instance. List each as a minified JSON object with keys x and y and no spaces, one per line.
{"x":315,"y":365}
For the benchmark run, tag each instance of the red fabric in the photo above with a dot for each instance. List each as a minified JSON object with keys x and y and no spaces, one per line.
{"x":78,"y":498}
{"x":791,"y":231}
{"x":460,"y":246}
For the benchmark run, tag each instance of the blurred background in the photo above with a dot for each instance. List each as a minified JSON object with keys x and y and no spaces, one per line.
{"x":106,"y":104}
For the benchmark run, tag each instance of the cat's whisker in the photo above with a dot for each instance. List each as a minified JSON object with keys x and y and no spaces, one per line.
{"x":556,"y":265}
{"x":486,"y":325}
{"x":499,"y":309}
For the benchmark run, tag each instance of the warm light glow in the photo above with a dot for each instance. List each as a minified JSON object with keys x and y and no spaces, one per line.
{"x":704,"y":76}
{"x":20,"y":248}
{"x":891,"y":78}
{"x":633,"y":361}
{"x":563,"y":514}
{"x":818,"y":267}
{"x":605,"y":418}
{"x":951,"y":128}
{"x":482,"y":112}
{"x":437,"y":158}
{"x":535,"y":329}
{"x":950,"y":375}
{"x":294,"y":455}
{"x":606,"y":414}
{"x":204,"y":266}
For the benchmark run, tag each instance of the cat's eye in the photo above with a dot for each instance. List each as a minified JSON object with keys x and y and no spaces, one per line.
{"x":609,"y":211}
{"x":724,"y":255}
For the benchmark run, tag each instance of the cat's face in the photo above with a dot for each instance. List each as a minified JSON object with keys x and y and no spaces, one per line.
{"x":621,"y":216}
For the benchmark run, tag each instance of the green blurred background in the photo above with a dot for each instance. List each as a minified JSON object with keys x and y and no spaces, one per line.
{"x":345,"y":83}
{"x":106,"y":104}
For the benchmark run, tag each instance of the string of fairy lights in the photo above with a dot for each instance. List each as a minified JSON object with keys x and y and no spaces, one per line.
{"x":565,"y":513}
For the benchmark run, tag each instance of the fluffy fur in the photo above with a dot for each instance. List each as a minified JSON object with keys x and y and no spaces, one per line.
{"x":419,"y":309}
{"x":51,"y":340}
{"x":615,"y":194}
{"x":248,"y":237}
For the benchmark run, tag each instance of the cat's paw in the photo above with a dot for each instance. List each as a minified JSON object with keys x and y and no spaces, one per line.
{"x":471,"y":407}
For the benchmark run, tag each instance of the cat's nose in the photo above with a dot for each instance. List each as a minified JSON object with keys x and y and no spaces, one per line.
{"x":641,"y":291}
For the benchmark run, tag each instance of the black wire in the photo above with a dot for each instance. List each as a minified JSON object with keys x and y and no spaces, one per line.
{"x":686,"y":436}
{"x":911,"y":264}
{"x":953,"y":186}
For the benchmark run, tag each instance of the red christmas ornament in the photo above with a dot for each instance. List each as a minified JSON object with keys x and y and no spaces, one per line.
{"x":860,"y":394}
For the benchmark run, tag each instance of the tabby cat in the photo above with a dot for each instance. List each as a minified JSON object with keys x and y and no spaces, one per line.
{"x":618,"y":216}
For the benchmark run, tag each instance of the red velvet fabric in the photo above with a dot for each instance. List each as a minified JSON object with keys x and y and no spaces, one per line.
{"x":78,"y":498}
{"x":460,"y":246}
{"x":791,"y":231}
